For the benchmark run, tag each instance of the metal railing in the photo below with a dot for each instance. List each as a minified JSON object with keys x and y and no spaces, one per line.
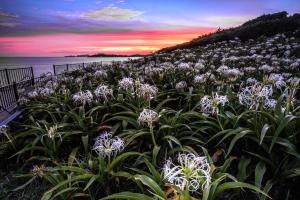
{"x":14,"y":80}
{"x":8,"y":97}
{"x":59,"y":69}
{"x":9,"y":76}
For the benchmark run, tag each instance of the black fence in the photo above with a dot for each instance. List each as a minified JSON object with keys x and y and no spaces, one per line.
{"x":8,"y":97}
{"x":59,"y":69}
{"x":14,"y":82}
{"x":9,"y":76}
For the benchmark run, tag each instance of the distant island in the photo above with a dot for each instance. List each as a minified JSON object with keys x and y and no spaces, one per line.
{"x":106,"y":55}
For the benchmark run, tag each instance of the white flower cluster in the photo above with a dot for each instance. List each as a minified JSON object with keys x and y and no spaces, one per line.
{"x":180,"y":86}
{"x":103,"y":92}
{"x":210,"y":104}
{"x":41,"y":92}
{"x":256,"y":96}
{"x":83,"y":97}
{"x":277,"y":80}
{"x":148,"y":117}
{"x":147,"y":91}
{"x":100,"y":74}
{"x":192,"y":172}
{"x":107,"y":146}
{"x":203,"y":78}
{"x":127,"y":84}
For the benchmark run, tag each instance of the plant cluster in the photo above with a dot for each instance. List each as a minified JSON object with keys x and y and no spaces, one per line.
{"x":219,"y":121}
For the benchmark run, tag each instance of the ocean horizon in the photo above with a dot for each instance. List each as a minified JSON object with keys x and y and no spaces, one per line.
{"x":45,"y":64}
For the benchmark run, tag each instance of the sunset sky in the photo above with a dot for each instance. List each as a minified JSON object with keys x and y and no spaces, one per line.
{"x":72,"y":27}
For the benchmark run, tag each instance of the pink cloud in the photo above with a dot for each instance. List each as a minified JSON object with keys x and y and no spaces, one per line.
{"x":142,"y":42}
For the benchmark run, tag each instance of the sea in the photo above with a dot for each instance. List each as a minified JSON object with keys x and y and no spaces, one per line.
{"x":45,"y":64}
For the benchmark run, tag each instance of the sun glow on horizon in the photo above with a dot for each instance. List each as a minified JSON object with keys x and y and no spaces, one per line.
{"x":138,"y":42}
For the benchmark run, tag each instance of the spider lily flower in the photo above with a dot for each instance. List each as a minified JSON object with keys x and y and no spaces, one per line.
{"x":251,"y":81}
{"x":233,"y":74}
{"x":266,"y":68}
{"x":3,"y":129}
{"x":100,"y":74}
{"x":52,"y":132}
{"x":180,"y":86}
{"x":148,"y":117}
{"x":38,"y":171}
{"x":257,"y":95}
{"x":204,"y":78}
{"x":83,"y":97}
{"x":107,"y":146}
{"x":46,"y":91}
{"x":277,"y":80}
{"x":127,"y":84}
{"x":190,"y":172}
{"x":184,"y":67}
{"x":103,"y":92}
{"x":210,"y":104}
{"x":147,"y":91}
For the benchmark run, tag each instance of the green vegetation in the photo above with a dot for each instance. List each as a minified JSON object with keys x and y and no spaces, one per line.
{"x":219,"y":121}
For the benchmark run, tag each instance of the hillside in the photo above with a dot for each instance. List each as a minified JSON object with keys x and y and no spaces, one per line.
{"x":265,"y":25}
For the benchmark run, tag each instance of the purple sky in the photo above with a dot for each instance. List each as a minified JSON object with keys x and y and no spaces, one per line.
{"x":63,"y":27}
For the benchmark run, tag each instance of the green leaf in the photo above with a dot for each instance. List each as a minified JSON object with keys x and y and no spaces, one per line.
{"x":232,"y":185}
{"x":263,"y":132}
{"x":47,"y":195}
{"x":121,"y":157}
{"x":260,"y":170}
{"x":129,"y":196}
{"x":151,"y":184}
{"x":243,"y":164}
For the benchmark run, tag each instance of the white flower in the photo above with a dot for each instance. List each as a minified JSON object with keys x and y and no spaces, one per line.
{"x":147,"y":91}
{"x":270,"y":103}
{"x":39,"y":171}
{"x":52,"y":132}
{"x":204,"y":78}
{"x":210,"y":104}
{"x":127,"y":84}
{"x":3,"y":129}
{"x":180,"y":86}
{"x":83,"y":97}
{"x":23,"y":100}
{"x":232,"y":74}
{"x":255,"y":96}
{"x":100,"y":74}
{"x":277,"y":80}
{"x":191,"y":172}
{"x":200,"y":79}
{"x":46,"y":91}
{"x":250,"y":69}
{"x":266,"y":68}
{"x":78,"y":80}
{"x":33,"y":94}
{"x":148,"y":117}
{"x":106,"y":145}
{"x":103,"y":92}
{"x":184,"y":66}
{"x":41,"y":91}
{"x":251,"y":81}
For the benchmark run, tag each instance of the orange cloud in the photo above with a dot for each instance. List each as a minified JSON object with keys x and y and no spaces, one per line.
{"x":135,"y":42}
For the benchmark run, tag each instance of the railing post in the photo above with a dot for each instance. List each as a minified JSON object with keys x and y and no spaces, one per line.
{"x":67,"y":67}
{"x":54,"y":72}
{"x":32,"y":75}
{"x":82,"y":65}
{"x":16,"y":92}
{"x":7,"y":77}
